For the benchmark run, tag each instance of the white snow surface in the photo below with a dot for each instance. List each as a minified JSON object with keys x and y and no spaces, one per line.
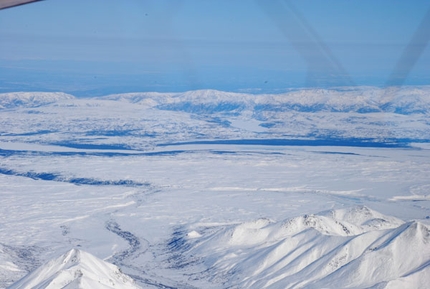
{"x":74,"y":270}
{"x":347,"y":248}
{"x":31,"y":99}
{"x":107,"y":176}
{"x":354,"y":112}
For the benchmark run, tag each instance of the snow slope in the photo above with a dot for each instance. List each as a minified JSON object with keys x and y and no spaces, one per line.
{"x":31,"y":99}
{"x":405,"y":100}
{"x":130,"y":176}
{"x":346,"y":248}
{"x":9,"y":270}
{"x":73,"y":270}
{"x":173,"y":233}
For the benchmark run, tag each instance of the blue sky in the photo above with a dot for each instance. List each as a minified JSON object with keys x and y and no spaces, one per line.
{"x":104,"y":46}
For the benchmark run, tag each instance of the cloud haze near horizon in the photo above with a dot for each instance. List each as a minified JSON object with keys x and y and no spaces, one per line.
{"x":99,"y":47}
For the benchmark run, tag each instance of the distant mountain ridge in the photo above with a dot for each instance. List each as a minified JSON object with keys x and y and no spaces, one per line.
{"x":367,"y":113}
{"x":31,"y":99}
{"x":404,"y":100}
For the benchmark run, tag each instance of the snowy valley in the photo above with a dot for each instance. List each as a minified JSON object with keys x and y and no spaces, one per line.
{"x":312,"y":188}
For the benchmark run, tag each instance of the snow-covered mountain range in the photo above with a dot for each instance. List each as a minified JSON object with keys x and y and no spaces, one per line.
{"x":354,"y":247}
{"x":73,"y":270}
{"x":31,"y":99}
{"x":348,"y":248}
{"x":314,"y":188}
{"x":390,"y":115}
{"x":400,"y":100}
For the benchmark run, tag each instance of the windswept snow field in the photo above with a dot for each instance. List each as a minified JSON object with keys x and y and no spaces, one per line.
{"x":208,"y":189}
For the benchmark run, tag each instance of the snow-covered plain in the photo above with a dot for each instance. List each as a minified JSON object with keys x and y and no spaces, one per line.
{"x":151,"y":183}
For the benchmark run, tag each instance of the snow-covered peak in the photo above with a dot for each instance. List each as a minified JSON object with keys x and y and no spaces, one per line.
{"x":76,"y":269}
{"x":31,"y":99}
{"x":363,"y":216}
{"x":348,"y":248}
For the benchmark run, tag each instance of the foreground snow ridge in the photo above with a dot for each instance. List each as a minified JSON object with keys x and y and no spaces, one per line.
{"x":347,"y":248}
{"x":76,"y":269}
